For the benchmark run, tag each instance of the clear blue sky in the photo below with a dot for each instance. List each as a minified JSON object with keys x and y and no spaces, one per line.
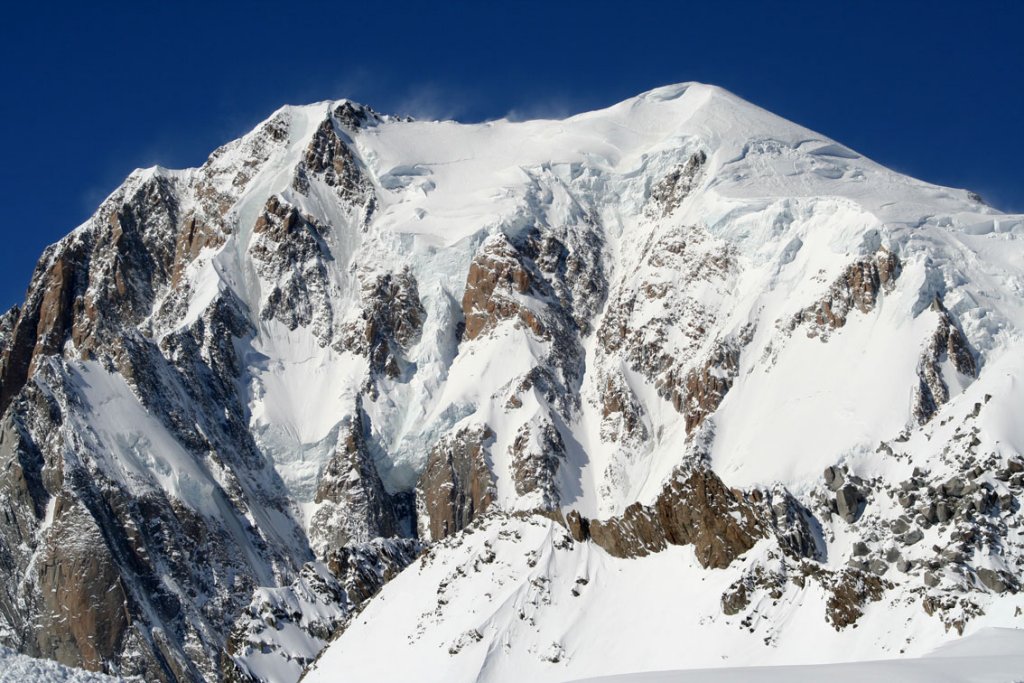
{"x":92,"y":90}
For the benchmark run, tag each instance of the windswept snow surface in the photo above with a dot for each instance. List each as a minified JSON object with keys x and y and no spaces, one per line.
{"x":989,"y":656}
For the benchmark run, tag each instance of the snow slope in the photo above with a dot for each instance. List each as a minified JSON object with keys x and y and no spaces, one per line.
{"x":519,"y":600}
{"x":990,"y":656}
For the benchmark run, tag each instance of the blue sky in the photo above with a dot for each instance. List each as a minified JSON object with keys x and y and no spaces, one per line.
{"x":93,"y":90}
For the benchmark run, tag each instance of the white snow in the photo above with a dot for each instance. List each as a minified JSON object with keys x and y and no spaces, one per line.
{"x":990,"y":656}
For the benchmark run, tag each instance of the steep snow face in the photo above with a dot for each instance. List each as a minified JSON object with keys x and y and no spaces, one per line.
{"x":657,"y":324}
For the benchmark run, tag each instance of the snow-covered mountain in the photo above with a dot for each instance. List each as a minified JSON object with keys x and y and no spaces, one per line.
{"x":668,"y":385}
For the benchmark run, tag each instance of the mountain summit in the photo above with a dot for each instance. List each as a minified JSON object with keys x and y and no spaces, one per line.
{"x":672,"y":384}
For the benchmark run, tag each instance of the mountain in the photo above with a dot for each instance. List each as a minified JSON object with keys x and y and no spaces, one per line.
{"x":672,"y":384}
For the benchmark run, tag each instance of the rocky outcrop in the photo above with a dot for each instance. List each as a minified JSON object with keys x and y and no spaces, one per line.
{"x":288,"y":250}
{"x":694,"y":508}
{"x":658,"y":322}
{"x":496,"y":290}
{"x":353,"y":505}
{"x":705,"y":386}
{"x":670,"y":192}
{"x":549,"y":282}
{"x":194,"y":237}
{"x":88,"y":287}
{"x":85,"y":608}
{"x":857,"y":288}
{"x":231,"y":168}
{"x":389,"y":323}
{"x":283,"y":629}
{"x":329,"y":159}
{"x":622,"y":418}
{"x":849,"y":592}
{"x":537,"y":452}
{"x":172,"y":577}
{"x":364,"y":568}
{"x":947,"y":345}
{"x":457,"y":484}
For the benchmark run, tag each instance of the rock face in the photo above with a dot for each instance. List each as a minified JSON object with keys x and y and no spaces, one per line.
{"x":496,"y":276}
{"x":354,"y":505}
{"x":389,"y":324}
{"x":330,"y":159}
{"x":317,"y":606}
{"x":947,"y":345}
{"x":457,"y":485}
{"x":695,"y":509}
{"x":662,"y":346}
{"x":288,"y":249}
{"x":537,"y":452}
{"x":706,"y":386}
{"x":82,"y":589}
{"x":241,"y":399}
{"x":677,"y":185}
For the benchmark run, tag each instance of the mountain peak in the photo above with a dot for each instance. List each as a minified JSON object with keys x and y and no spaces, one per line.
{"x":677,"y":364}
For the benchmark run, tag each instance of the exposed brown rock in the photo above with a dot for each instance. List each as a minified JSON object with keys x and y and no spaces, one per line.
{"x":353,"y":575}
{"x":96,"y":282}
{"x":288,"y":250}
{"x":706,"y":385}
{"x":363,"y":569}
{"x":696,"y":508}
{"x":457,"y":484}
{"x":45,"y":322}
{"x":193,"y":238}
{"x":849,"y":592}
{"x":621,"y":413}
{"x":85,"y":606}
{"x":495,"y":286}
{"x":666,"y":346}
{"x":857,"y":287}
{"x":738,"y":596}
{"x":328,"y":157}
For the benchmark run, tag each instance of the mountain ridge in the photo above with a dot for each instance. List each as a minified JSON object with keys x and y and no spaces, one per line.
{"x":257,"y":390}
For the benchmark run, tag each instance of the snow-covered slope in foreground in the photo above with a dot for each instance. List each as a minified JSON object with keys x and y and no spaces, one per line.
{"x":990,"y":656}
{"x":697,"y":374}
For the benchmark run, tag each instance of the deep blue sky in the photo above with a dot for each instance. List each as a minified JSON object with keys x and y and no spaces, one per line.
{"x":92,"y":90}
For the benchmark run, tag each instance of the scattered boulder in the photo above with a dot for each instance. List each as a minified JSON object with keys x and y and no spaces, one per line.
{"x":834,"y":478}
{"x":849,"y":503}
{"x":911,"y":537}
{"x":992,"y":580}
